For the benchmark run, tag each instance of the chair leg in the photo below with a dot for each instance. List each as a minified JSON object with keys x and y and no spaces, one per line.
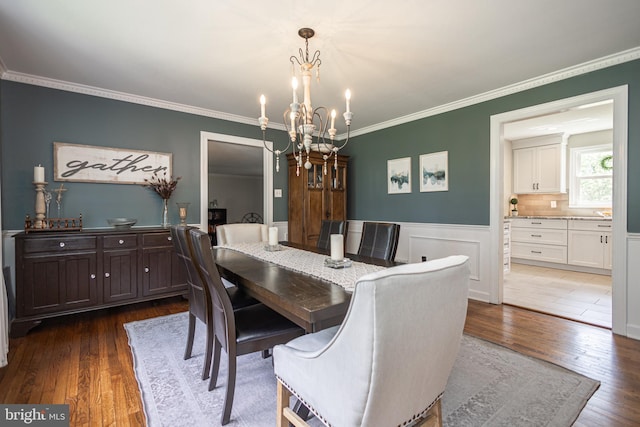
{"x":231,"y":387}
{"x":285,"y":415}
{"x":283,"y":396}
{"x":215,"y":366}
{"x":433,"y":417}
{"x":190,"y":334}
{"x":206,"y":368}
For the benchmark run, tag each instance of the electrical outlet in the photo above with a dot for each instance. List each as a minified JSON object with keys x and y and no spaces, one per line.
{"x":277,"y":192}
{"x":554,"y":204}
{"x":424,"y":258}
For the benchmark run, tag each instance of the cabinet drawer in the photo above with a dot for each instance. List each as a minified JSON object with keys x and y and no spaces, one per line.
{"x":539,"y":235}
{"x":604,"y":226}
{"x":549,"y":253}
{"x":560,"y":224}
{"x":122,"y":241}
{"x":156,"y":239}
{"x":60,"y":244}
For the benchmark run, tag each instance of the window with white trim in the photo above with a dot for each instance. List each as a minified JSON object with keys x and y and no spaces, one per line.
{"x":591,"y":176}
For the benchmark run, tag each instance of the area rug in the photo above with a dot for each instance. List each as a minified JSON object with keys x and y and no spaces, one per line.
{"x":490,"y":385}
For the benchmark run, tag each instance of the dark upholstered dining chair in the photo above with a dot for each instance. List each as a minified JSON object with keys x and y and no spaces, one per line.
{"x":328,"y":228}
{"x":242,"y":331}
{"x":379,"y":240}
{"x":199,"y":298}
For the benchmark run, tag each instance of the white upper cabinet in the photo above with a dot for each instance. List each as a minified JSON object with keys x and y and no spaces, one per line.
{"x":539,"y":165}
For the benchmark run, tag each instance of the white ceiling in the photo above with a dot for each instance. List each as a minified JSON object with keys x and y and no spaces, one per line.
{"x":398,"y":58}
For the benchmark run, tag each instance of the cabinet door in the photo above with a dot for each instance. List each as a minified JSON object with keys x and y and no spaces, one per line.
{"x":315,"y":208}
{"x":586,"y":248}
{"x":524,"y":170}
{"x":607,"y":261}
{"x":52,"y":284}
{"x":120,"y":277}
{"x":162,"y":272}
{"x":548,"y":162}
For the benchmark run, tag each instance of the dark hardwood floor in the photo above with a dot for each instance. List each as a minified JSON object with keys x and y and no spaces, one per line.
{"x":85,"y":361}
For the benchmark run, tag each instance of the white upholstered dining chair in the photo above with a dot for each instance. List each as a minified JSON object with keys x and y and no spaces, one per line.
{"x":242,"y":233}
{"x":389,"y":361}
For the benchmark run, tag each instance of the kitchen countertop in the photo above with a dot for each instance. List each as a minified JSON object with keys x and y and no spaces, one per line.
{"x":585,"y":218}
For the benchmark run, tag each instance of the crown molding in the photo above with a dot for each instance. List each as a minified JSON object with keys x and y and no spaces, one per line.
{"x":587,"y":67}
{"x":125,"y":97}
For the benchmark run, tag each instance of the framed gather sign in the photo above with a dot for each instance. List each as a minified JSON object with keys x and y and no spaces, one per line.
{"x":87,"y":163}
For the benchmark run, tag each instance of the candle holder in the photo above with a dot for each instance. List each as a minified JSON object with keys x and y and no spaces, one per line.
{"x":182,"y":212}
{"x":40,"y":205}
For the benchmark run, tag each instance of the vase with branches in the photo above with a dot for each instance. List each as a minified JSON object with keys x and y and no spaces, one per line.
{"x":164,"y":187}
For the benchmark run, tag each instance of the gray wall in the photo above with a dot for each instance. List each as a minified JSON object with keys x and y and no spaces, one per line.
{"x":239,"y":195}
{"x":465,"y":134}
{"x":32,"y":118}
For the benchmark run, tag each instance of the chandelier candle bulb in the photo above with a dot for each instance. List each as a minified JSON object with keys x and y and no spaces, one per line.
{"x":294,"y":85}
{"x":273,"y":236}
{"x":263,"y":102}
{"x":38,"y":173}
{"x":333,"y":119}
{"x":347,"y":95}
{"x":337,"y":247}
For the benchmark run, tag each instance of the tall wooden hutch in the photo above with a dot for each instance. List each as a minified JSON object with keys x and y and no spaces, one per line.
{"x":314,"y":196}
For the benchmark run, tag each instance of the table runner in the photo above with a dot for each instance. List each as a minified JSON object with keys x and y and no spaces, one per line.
{"x":306,"y":262}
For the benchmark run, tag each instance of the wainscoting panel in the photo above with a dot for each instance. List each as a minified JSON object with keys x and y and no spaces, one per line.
{"x":438,"y":241}
{"x":633,"y":286}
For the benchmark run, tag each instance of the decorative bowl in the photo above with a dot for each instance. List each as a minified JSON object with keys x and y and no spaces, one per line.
{"x":122,"y":223}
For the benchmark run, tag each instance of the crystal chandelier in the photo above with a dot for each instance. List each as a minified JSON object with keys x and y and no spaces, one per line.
{"x":302,"y":121}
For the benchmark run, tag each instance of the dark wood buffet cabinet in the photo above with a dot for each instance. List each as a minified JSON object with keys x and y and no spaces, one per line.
{"x":59,"y":273}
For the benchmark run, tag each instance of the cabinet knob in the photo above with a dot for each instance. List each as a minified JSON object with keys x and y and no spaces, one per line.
{"x":107,"y":275}
{"x":62,"y":244}
{"x":169,"y":238}
{"x":93,"y":276}
{"x":121,"y":241}
{"x":146,"y":269}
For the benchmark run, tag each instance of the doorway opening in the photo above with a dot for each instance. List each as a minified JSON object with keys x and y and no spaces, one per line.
{"x":208,"y":138}
{"x":500,"y":198}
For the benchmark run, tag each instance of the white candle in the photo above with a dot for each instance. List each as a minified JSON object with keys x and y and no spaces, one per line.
{"x":38,"y":174}
{"x":337,"y":247}
{"x":183,"y":212}
{"x":333,"y":119}
{"x":263,"y":102}
{"x":347,"y":95}
{"x":294,"y":85}
{"x":273,"y":236}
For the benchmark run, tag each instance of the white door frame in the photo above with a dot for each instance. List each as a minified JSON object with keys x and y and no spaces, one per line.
{"x":620,"y":143}
{"x":267,"y":168}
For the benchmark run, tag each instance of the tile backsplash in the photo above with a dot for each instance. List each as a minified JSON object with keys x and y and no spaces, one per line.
{"x":540,"y":204}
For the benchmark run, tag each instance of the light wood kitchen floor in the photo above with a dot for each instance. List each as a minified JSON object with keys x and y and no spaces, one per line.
{"x":578,"y":296}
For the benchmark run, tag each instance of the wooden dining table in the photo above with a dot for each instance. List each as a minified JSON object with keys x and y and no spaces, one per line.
{"x":312,"y":303}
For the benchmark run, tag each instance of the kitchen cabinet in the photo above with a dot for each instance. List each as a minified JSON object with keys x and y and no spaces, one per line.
{"x":506,"y":253}
{"x":65,"y":272}
{"x":590,"y":244}
{"x":539,"y":165}
{"x":314,"y":196}
{"x":539,"y":239}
